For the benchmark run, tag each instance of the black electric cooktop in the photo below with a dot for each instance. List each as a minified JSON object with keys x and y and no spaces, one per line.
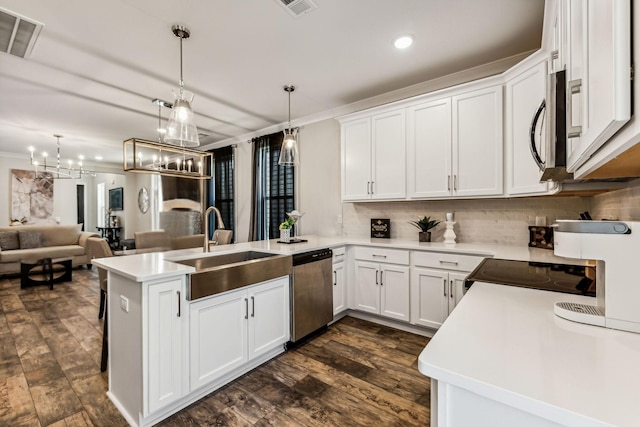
{"x":567,"y":278}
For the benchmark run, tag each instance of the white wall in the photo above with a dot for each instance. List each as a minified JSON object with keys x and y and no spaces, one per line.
{"x":134,"y":219}
{"x":319,"y":179}
{"x":64,"y":193}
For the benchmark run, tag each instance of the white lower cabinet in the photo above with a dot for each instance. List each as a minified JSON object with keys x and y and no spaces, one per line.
{"x":339,"y":288}
{"x":382,"y":288}
{"x":230,"y":330}
{"x":434,"y":294}
{"x":340,"y":302}
{"x":437,"y":285}
{"x":166,"y":344}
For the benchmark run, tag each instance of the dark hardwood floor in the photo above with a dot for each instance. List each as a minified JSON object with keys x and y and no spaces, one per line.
{"x":356,"y":373}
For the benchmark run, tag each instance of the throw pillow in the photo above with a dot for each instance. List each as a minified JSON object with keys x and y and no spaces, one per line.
{"x":9,"y":240}
{"x":30,"y":239}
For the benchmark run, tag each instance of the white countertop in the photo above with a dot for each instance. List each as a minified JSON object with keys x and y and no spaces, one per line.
{"x":505,"y":343}
{"x":151,"y":266}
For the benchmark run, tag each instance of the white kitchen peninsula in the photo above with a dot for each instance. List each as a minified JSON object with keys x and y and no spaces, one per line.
{"x":504,"y":359}
{"x":163,"y":353}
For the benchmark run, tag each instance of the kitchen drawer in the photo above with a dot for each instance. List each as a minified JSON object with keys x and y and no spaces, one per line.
{"x":339,"y":254}
{"x":446,"y":261}
{"x":391,"y":256}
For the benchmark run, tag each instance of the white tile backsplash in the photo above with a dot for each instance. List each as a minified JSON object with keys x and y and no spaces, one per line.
{"x":503,"y":221}
{"x":622,"y":204}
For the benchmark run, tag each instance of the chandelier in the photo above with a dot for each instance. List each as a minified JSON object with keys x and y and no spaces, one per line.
{"x":60,"y":171}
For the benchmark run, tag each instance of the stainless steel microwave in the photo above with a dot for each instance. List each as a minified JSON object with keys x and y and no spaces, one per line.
{"x":553,"y":160}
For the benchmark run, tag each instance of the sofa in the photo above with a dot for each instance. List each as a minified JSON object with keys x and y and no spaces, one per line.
{"x":42,"y":241}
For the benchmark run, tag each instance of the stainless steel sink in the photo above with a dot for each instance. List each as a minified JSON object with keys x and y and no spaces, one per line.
{"x":220,"y":273}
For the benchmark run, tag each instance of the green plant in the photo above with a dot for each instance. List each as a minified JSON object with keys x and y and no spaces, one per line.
{"x":287,"y":224}
{"x":425,"y":224}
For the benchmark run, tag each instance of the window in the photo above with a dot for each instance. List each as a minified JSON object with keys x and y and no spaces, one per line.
{"x":272,"y":188}
{"x":222,"y":188}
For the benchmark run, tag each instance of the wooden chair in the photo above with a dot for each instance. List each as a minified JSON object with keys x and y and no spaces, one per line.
{"x":99,"y":248}
{"x":152,"y":241}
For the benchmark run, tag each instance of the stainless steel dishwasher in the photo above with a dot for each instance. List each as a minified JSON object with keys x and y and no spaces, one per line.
{"x":311,"y":292}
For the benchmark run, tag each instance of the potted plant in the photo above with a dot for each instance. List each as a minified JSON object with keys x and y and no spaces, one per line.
{"x":285,"y":229}
{"x":287,"y":225}
{"x":424,"y":225}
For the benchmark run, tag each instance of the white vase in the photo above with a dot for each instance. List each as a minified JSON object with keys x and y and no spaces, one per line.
{"x":285,"y":235}
{"x":449,"y":234}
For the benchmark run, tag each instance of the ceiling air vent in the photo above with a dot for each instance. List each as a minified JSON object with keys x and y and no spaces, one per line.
{"x":18,"y":34}
{"x":297,"y":7}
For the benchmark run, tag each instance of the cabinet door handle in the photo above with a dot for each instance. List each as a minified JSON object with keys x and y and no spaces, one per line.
{"x":444,"y":287}
{"x":455,"y":182}
{"x":377,"y":277}
{"x":179,"y":303}
{"x":335,"y":278}
{"x":372,"y":187}
{"x":442,"y":261}
{"x":575,"y":87}
{"x":448,"y":182}
{"x":253,"y":307}
{"x":378,"y":256}
{"x":381,"y":278}
{"x":246,"y":307}
{"x":451,"y":289}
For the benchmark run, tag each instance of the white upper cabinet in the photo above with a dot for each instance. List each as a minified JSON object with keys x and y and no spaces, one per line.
{"x":477,"y":143}
{"x":388,"y":156}
{"x":429,"y":149}
{"x":356,"y":159}
{"x":598,"y":74}
{"x":525,"y":95}
{"x":455,"y":146}
{"x":373,"y":157}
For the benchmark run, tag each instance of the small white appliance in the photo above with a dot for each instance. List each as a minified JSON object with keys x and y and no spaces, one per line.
{"x":615,"y":247}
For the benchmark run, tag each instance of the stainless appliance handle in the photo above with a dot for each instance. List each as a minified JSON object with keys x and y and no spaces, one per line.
{"x":575,"y":87}
{"x":532,"y":135}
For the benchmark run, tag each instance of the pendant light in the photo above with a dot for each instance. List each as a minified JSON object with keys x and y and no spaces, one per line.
{"x":289,"y":150}
{"x":181,"y":128}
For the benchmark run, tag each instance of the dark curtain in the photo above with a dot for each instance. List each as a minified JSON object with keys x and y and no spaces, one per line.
{"x":222,"y":189}
{"x":272,"y":188}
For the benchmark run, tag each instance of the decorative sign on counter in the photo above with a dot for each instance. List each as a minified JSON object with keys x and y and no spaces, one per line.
{"x":381,"y":228}
{"x":541,"y":237}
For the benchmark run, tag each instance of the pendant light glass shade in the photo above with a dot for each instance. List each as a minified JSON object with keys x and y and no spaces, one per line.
{"x":289,"y":149}
{"x":181,"y":128}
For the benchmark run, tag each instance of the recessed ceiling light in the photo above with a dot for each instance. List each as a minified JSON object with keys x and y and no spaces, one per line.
{"x":403,"y":42}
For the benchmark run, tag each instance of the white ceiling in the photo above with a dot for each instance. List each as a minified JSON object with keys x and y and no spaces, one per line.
{"x":98,"y":64}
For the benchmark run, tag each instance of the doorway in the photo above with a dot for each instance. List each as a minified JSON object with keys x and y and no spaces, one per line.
{"x":80,"y":204}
